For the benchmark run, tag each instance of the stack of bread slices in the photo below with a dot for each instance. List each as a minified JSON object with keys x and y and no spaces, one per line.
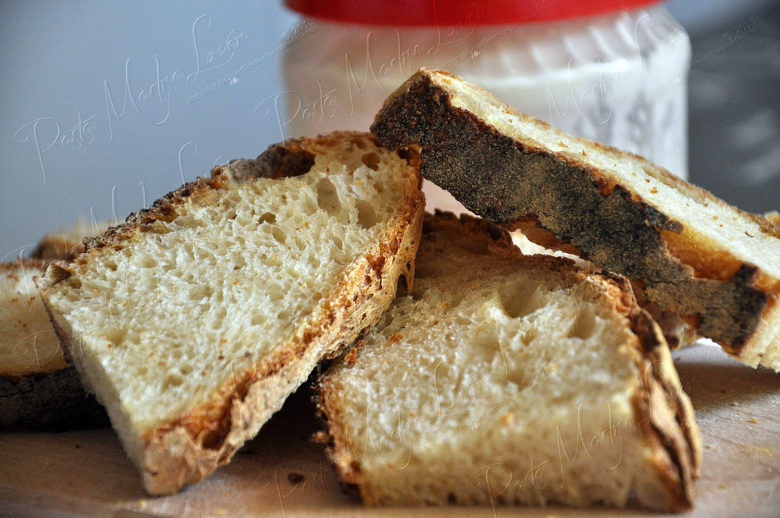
{"x":465,"y":371}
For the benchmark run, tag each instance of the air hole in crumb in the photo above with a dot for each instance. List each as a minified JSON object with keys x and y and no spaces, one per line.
{"x":173,"y":380}
{"x":519,"y":301}
{"x":279,"y":235}
{"x":267,"y":217}
{"x":366,"y":215}
{"x":529,"y":335}
{"x":257,"y":320}
{"x":371,"y":160}
{"x":401,"y":288}
{"x":328,"y":196}
{"x":115,"y":335}
{"x":584,"y":325}
{"x":200,"y":292}
{"x":145,"y":261}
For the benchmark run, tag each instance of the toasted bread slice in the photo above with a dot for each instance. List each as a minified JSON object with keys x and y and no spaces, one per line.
{"x":506,"y":378}
{"x":690,"y":253}
{"x":194,"y":320}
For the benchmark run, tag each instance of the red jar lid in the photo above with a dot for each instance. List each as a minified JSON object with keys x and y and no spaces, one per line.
{"x":456,"y":12}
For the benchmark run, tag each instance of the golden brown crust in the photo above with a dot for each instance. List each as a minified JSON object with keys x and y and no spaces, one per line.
{"x":665,"y":414}
{"x":662,"y":410}
{"x":506,"y":180}
{"x":185,"y":449}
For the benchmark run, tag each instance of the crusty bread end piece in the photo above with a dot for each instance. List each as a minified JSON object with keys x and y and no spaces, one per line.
{"x":39,"y":389}
{"x":194,"y":320}
{"x":67,"y":243}
{"x":506,"y":378}
{"x":691,"y":253}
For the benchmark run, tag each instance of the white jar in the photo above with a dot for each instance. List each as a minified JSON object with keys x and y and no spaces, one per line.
{"x":618,"y":77}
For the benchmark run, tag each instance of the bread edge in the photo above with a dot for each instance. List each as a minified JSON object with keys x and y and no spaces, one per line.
{"x":662,"y":410}
{"x":420,"y":112}
{"x":169,"y":457}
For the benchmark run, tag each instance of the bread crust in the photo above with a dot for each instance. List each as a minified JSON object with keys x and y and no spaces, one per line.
{"x":506,"y":180}
{"x":185,"y":449}
{"x":662,"y":410}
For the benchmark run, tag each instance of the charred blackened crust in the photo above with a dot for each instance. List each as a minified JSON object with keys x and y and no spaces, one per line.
{"x":51,"y":401}
{"x":506,"y":181}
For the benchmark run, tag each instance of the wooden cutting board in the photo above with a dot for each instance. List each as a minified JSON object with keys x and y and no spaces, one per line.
{"x":281,"y":473}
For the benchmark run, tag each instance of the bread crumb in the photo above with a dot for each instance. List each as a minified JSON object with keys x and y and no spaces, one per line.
{"x":753,"y":420}
{"x":321,"y":437}
{"x":735,"y":403}
{"x":653,"y":191}
{"x":351,"y":356}
{"x":142,"y":504}
{"x":295,"y":478}
{"x":394,"y":338}
{"x":219,"y":511}
{"x":507,"y":419}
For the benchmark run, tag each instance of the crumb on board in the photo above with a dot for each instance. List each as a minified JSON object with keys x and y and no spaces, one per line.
{"x":394,"y":338}
{"x":351,"y":357}
{"x":295,"y":478}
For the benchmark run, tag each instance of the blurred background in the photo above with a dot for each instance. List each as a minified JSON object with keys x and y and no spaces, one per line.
{"x":106,"y":106}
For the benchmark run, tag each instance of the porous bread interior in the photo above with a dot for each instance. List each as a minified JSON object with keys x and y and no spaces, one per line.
{"x":28,"y":343}
{"x":494,"y":382}
{"x":709,"y":218}
{"x":175,"y":312}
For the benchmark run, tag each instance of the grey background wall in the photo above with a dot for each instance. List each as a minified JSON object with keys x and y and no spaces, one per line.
{"x":105,"y":106}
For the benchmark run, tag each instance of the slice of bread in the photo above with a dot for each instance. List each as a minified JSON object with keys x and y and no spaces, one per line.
{"x":39,"y":390}
{"x":194,"y":320}
{"x":506,"y":378}
{"x":692,"y":254}
{"x":532,"y":239}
